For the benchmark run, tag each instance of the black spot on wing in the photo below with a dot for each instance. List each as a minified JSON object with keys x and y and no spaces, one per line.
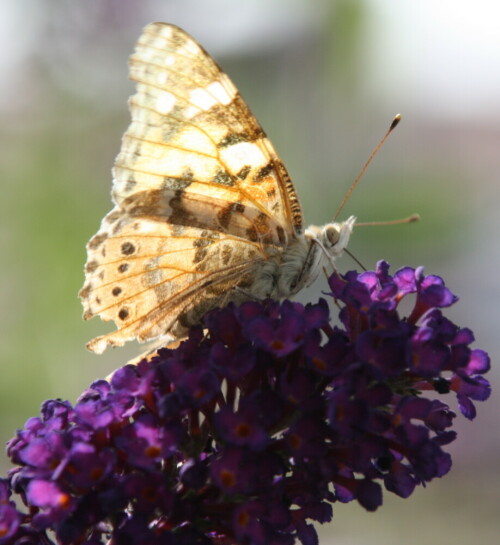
{"x":85,"y":291}
{"x":225,"y":215}
{"x":113,"y":216}
{"x":202,"y":244}
{"x":244,"y":172}
{"x":263,"y":172}
{"x":252,"y":234}
{"x":97,"y":240}
{"x":222,"y":177}
{"x":91,"y":266}
{"x":179,"y":214}
{"x":178,"y":182}
{"x":200,"y":255}
{"x":127,"y":248}
{"x":175,"y":183}
{"x":233,"y":138}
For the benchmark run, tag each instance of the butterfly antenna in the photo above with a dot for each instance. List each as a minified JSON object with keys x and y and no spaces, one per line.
{"x":409,"y":219}
{"x":395,"y":121}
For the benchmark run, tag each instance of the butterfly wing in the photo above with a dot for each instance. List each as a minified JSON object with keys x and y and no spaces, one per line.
{"x":201,"y":197}
{"x":154,"y":278}
{"x":193,"y":135}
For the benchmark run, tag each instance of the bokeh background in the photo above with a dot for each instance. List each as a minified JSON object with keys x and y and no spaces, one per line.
{"x":325,"y":79}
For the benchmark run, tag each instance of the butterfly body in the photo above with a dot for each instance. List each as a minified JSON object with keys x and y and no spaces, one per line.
{"x":303,"y":259}
{"x":205,"y":212}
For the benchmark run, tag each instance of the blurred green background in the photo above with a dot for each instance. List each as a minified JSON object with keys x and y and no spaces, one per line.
{"x":325,"y":79}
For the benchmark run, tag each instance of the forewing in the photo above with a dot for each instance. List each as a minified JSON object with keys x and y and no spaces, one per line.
{"x":193,"y":138}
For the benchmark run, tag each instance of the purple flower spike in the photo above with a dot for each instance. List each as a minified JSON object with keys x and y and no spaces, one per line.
{"x":252,"y":428}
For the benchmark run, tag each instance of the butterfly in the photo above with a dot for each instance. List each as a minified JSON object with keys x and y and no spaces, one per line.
{"x":205,"y":212}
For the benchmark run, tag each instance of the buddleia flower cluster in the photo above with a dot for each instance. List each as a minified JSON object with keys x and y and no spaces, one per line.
{"x":251,"y":429}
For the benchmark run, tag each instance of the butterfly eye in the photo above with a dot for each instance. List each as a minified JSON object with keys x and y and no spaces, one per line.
{"x":331,"y":235}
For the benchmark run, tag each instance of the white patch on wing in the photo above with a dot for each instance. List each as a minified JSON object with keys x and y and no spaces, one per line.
{"x":162,"y":78}
{"x":220,"y":93}
{"x":202,"y":99}
{"x":188,"y":49}
{"x":242,"y":154}
{"x":165,"y":102}
{"x":207,"y":97}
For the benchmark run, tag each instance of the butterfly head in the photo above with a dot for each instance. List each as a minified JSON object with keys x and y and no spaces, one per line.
{"x":333,"y":237}
{"x":304,"y":261}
